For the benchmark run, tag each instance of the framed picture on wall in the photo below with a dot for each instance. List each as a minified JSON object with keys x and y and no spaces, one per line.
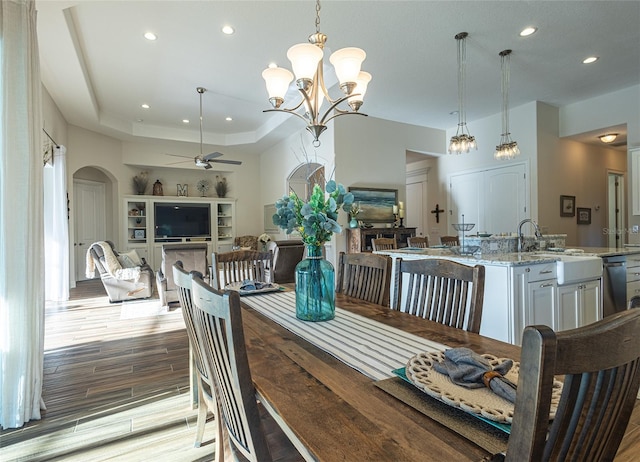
{"x":139,"y":234}
{"x":584,"y":216}
{"x":567,"y":206}
{"x":376,"y":205}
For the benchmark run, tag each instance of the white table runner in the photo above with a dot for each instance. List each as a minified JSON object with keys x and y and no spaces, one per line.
{"x":370,"y":347}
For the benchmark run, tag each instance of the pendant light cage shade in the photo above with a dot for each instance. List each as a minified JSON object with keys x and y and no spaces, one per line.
{"x":307,"y":63}
{"x":462,"y":142}
{"x":507,"y":149}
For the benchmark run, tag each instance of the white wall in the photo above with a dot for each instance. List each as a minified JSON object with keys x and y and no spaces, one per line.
{"x":522,"y":121}
{"x":372,"y":152}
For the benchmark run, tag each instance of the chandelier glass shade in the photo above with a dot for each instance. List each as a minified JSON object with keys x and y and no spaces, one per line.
{"x":462,"y":141}
{"x":507,"y":149}
{"x":307,"y":64}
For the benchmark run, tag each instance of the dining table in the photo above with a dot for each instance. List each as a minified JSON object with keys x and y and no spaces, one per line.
{"x":331,"y":386}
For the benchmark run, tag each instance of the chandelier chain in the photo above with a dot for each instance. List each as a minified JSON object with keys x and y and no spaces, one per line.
{"x":317,"y":16}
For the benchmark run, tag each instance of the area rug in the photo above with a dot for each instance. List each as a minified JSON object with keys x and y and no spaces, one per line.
{"x":145,"y":308}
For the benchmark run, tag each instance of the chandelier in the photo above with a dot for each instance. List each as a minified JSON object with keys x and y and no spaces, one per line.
{"x":306,"y":60}
{"x":462,"y":141}
{"x":507,"y":149}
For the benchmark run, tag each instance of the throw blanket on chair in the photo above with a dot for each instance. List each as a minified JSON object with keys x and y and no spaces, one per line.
{"x":111,"y":264}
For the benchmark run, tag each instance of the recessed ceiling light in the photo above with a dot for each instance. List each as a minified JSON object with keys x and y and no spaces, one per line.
{"x":590,"y":59}
{"x":185,"y":121}
{"x":228,"y":30}
{"x":150,"y":36}
{"x":608,"y":138}
{"x":527,"y":31}
{"x":453,"y":113}
{"x":228,"y":119}
{"x":272,"y":65}
{"x":144,"y":106}
{"x":140,"y":120}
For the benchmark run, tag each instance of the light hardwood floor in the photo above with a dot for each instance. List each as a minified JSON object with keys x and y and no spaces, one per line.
{"x":117,"y":389}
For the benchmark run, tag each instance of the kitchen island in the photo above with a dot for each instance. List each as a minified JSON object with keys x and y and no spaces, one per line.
{"x":525,"y":288}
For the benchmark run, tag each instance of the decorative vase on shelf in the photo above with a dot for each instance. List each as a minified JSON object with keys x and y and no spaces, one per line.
{"x":353,"y":223}
{"x":315,"y":287}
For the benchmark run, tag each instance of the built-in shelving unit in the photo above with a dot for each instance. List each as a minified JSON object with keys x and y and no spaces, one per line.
{"x":139,"y":225}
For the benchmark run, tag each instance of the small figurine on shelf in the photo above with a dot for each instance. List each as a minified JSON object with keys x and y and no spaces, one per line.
{"x":157,"y":188}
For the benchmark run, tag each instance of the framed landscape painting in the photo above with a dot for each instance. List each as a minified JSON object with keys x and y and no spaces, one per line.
{"x":376,"y":205}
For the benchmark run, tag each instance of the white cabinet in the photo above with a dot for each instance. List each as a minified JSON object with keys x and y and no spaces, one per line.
{"x":579,"y":304}
{"x":534,"y":297}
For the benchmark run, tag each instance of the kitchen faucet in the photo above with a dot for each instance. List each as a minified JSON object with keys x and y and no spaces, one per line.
{"x":521,"y":236}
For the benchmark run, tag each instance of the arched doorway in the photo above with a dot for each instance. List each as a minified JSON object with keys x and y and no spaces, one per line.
{"x":92,"y":215}
{"x":304,"y":178}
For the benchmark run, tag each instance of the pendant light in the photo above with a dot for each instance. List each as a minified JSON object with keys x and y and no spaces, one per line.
{"x":507,"y":149}
{"x":462,"y":141}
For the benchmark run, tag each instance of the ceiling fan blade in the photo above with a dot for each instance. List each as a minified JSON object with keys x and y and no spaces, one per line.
{"x":223,"y":161}
{"x":177,"y":155}
{"x":213,"y":155}
{"x":208,"y":166}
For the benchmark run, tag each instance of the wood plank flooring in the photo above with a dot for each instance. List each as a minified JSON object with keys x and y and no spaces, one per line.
{"x":117,"y":389}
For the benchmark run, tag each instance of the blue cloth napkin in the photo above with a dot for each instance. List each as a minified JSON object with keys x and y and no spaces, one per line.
{"x":248,"y":284}
{"x":471,"y":370}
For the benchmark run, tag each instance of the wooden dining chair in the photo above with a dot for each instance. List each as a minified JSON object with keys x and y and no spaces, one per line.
{"x":418,"y":242}
{"x":600,"y":363}
{"x":218,"y":321}
{"x":449,"y":241}
{"x":238,"y":265}
{"x":365,"y":276}
{"x":204,"y":382}
{"x":440,"y":290}
{"x":384,"y":243}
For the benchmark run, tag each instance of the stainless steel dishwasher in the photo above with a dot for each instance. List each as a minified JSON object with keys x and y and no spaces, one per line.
{"x":614,"y":284}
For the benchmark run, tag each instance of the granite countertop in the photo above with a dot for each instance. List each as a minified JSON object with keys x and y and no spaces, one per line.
{"x":506,"y":259}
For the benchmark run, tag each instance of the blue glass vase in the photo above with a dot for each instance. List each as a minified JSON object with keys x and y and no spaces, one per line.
{"x":315,"y":287}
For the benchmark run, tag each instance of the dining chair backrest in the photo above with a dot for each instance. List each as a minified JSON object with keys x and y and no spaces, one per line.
{"x":449,"y":241}
{"x":204,"y":379}
{"x":600,"y":363}
{"x":418,"y":242}
{"x":440,"y":290}
{"x":384,"y":243}
{"x":365,"y":276}
{"x":239,"y":265}
{"x":218,"y":321}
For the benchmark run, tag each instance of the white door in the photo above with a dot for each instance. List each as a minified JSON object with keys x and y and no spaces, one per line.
{"x":466,"y":198}
{"x":505,"y":199}
{"x":89,"y":213}
{"x":495,"y":200}
{"x":415,"y":207}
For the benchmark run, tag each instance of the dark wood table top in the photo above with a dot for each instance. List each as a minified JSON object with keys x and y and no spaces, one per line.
{"x":337,"y":412}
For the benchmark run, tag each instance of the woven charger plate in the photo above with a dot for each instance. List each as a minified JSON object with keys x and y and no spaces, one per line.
{"x":479,"y":401}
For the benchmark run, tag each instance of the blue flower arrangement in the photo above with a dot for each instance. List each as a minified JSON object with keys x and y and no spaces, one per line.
{"x":316,"y":219}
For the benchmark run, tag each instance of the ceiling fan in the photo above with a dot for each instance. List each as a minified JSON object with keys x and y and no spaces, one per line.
{"x":202,"y":160}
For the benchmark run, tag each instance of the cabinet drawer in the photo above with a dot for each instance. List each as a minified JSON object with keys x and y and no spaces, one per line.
{"x":633,"y":261}
{"x":633,"y":290}
{"x":633,"y":274}
{"x":542,"y":272}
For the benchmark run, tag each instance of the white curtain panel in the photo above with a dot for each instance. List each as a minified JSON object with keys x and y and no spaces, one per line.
{"x":21,"y":217}
{"x":56,"y":228}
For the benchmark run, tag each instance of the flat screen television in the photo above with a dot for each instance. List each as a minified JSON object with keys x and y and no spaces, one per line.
{"x":182,"y":220}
